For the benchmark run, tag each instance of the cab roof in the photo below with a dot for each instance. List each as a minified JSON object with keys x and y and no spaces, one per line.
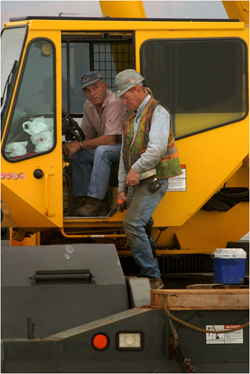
{"x":107,"y":18}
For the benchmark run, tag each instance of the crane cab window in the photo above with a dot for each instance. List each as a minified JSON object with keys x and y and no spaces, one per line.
{"x":108,"y":53}
{"x":31,"y":130}
{"x":202,"y":81}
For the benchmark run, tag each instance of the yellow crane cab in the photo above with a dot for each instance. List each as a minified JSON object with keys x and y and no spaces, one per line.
{"x":197,"y":68}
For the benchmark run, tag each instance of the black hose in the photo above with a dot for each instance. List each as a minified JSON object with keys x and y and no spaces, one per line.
{"x":223,"y":201}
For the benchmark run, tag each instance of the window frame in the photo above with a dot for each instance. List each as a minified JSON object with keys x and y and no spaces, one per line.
{"x":8,"y":101}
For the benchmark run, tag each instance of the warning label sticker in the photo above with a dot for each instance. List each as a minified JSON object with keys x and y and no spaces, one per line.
{"x":234,"y":337}
{"x":178,"y":183}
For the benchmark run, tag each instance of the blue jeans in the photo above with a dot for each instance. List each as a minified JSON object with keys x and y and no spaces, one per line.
{"x":92,"y":168}
{"x":142,"y":204}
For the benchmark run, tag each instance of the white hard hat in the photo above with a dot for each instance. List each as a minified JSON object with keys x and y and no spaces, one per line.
{"x":127,"y":79}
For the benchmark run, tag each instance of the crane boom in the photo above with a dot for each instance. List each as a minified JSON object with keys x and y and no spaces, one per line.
{"x":135,"y":9}
{"x":238,"y":10}
{"x":123,"y":9}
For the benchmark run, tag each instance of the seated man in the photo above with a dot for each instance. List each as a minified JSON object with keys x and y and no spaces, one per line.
{"x":93,"y":157}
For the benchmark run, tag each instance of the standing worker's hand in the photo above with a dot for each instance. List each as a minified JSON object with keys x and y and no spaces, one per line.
{"x":132,"y":178}
{"x":121,"y":197}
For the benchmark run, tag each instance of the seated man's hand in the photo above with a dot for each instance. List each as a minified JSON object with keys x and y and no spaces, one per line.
{"x":70,"y":148}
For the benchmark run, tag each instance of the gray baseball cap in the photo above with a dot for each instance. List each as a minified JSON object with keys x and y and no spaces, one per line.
{"x":89,"y":78}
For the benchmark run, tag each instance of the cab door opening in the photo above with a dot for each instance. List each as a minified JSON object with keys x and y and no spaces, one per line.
{"x":106,"y":52}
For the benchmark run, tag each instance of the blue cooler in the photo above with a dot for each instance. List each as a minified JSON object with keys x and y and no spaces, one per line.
{"x":229,"y":265}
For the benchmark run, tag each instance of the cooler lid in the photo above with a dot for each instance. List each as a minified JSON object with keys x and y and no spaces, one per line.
{"x":229,"y":253}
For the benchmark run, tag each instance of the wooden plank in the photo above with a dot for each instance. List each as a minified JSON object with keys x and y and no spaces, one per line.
{"x":201,"y":299}
{"x":205,"y":286}
{"x":216,"y":285}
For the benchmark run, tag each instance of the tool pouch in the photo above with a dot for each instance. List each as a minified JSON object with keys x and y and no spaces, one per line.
{"x":155,"y":185}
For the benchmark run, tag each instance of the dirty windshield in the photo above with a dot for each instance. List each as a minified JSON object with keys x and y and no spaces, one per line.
{"x":30,"y":129}
{"x":11,"y":46}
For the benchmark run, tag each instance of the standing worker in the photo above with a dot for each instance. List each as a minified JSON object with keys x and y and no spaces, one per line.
{"x":148,"y":143}
{"x":93,"y":157}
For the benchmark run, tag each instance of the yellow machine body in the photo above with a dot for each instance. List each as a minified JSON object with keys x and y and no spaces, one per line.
{"x":213,"y":146}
